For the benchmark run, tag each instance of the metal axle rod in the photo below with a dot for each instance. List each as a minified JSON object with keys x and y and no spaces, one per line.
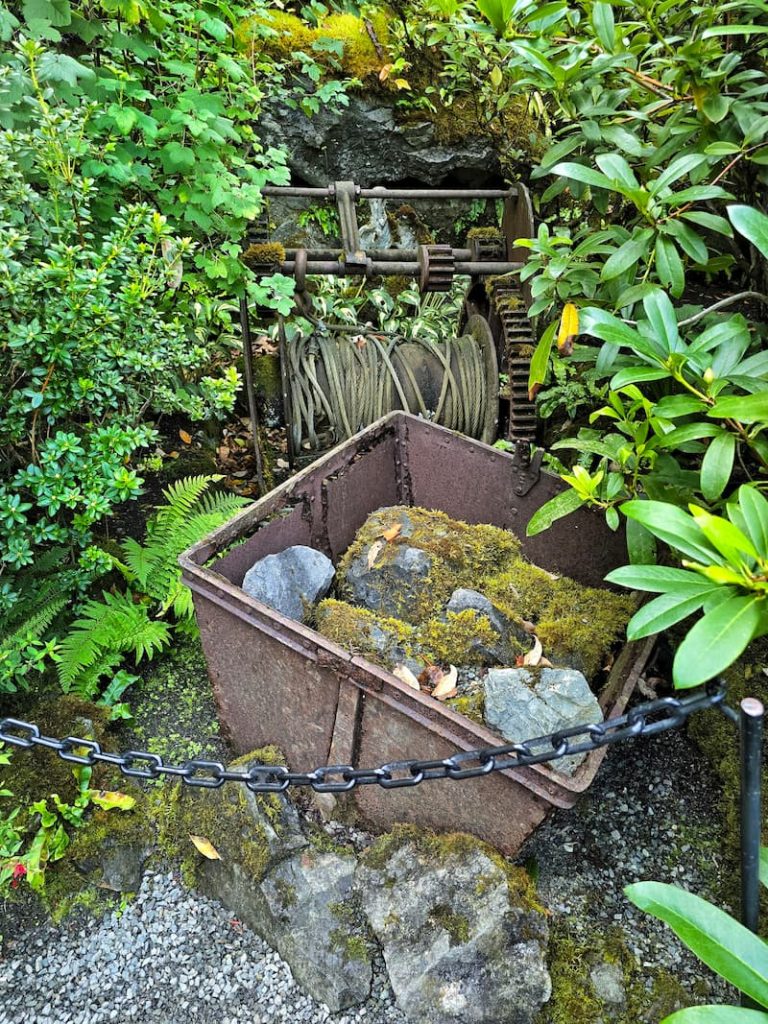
{"x":406,"y":268}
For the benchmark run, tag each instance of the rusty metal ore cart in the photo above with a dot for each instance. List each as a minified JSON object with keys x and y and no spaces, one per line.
{"x":277,"y":681}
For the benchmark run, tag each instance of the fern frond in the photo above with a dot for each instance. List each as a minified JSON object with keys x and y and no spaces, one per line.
{"x":137,"y":561}
{"x":222,"y":503}
{"x":116,"y":624}
{"x":182,"y":496}
{"x":86,"y":684}
{"x":38,"y":623}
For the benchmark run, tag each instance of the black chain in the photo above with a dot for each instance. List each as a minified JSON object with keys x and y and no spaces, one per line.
{"x":644,"y":720}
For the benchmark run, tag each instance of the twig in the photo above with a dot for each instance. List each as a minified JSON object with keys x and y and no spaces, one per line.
{"x":729,"y":301}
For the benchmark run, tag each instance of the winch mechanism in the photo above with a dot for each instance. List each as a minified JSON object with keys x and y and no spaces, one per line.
{"x":340,"y":378}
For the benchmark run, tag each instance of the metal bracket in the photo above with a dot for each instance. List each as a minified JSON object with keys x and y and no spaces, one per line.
{"x":346,"y":193}
{"x":526,"y":468}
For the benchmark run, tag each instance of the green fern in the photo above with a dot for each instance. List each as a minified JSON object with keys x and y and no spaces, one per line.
{"x":114,"y":625}
{"x":191,"y":512}
{"x":130,"y":623}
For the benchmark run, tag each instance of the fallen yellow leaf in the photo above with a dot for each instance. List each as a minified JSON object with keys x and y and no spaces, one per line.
{"x":533,"y":657}
{"x":569,"y":329}
{"x":394,"y":531}
{"x":446,"y":687}
{"x":206,"y":847}
{"x":185,"y":437}
{"x":375,"y":550}
{"x":404,"y":674}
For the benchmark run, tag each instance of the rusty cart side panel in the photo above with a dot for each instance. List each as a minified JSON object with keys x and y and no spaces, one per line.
{"x":277,"y":681}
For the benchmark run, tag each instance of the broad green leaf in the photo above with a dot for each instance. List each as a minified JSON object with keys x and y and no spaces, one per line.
{"x":715,"y":642}
{"x":688,"y":432}
{"x":716,"y":938}
{"x":635,"y":374}
{"x":734,"y":30}
{"x":764,"y":865}
{"x":540,"y":357}
{"x":754,"y":511}
{"x":627,"y":256}
{"x":677,"y":169}
{"x":725,"y":536}
{"x":658,"y":579}
{"x":587,"y":175}
{"x":751,"y":223}
{"x":690,"y":241}
{"x":661,"y":316}
{"x":672,"y":406}
{"x":710,"y":221}
{"x":715,"y":107}
{"x":603,"y":24}
{"x":561,"y":505}
{"x":743,"y":408}
{"x":717,"y":465}
{"x":641,"y":544}
{"x":670,"y":266}
{"x":603,"y":325}
{"x":717,"y":1015}
{"x":673,"y":526}
{"x":663,"y":612}
{"x":617,"y":168}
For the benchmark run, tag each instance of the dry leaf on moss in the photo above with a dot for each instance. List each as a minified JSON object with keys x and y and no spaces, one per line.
{"x":394,"y":531}
{"x":404,"y":674}
{"x":533,"y":657}
{"x":374,"y":551}
{"x":206,"y":847}
{"x":446,"y":687}
{"x":185,"y":437}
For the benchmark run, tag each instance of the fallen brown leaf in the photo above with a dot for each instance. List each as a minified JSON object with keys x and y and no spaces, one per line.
{"x":404,"y":674}
{"x":374,"y":551}
{"x":447,"y":686}
{"x":394,"y":531}
{"x":185,"y":437}
{"x":206,"y":847}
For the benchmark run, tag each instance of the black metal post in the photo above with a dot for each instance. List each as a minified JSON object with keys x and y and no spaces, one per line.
{"x":751,"y":718}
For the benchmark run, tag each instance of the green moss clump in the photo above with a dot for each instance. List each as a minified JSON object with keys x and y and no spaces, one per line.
{"x":440,"y":847}
{"x":265,"y":254}
{"x":356,"y":629}
{"x":286,"y":893}
{"x":457,"y":640}
{"x":221,"y":816}
{"x":461,"y":555}
{"x":283,"y":35}
{"x":485,"y":234}
{"x":576,"y":624}
{"x":351,"y":947}
{"x":472,"y":706}
{"x":457,"y":925}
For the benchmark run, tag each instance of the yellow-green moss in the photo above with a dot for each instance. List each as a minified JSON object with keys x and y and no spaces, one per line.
{"x":221,"y":816}
{"x":461,"y":555}
{"x":456,"y":640}
{"x":651,"y":993}
{"x":456,"y":925}
{"x":576,"y":624}
{"x":351,"y":947}
{"x":265,"y":254}
{"x":471,"y":706}
{"x":351,"y":627}
{"x":485,"y":234}
{"x":283,"y":35}
{"x":438,"y":848}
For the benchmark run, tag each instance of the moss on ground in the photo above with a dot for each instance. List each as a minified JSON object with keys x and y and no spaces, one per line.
{"x":651,"y":994}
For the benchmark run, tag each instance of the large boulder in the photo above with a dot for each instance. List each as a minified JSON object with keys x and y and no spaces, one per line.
{"x":462,"y":939}
{"x":365,"y":143}
{"x":524,"y":703}
{"x":291,"y":581}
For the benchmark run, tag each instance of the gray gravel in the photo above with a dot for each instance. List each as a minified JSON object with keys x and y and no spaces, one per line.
{"x":172,"y":957}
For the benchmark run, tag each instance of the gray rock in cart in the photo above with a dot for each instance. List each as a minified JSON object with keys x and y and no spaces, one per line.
{"x":510,"y":634}
{"x":291,"y":581}
{"x":523,"y":703}
{"x":461,"y":941}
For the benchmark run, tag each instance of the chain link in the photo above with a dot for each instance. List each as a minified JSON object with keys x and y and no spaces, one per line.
{"x":644,"y":720}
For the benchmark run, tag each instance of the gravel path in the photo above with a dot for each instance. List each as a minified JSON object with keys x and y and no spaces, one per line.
{"x":172,"y":957}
